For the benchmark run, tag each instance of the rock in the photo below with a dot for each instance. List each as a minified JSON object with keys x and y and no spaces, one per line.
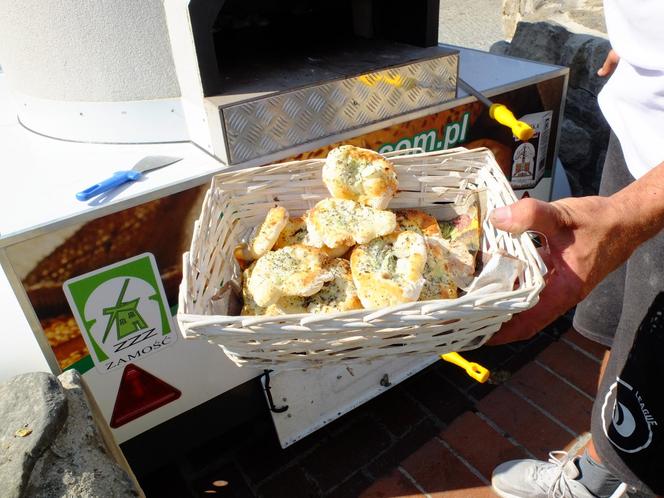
{"x":576,"y":154}
{"x":78,"y":464}
{"x":540,"y":41}
{"x":584,"y":55}
{"x":582,"y":107}
{"x":500,"y":47}
{"x":36,"y":403}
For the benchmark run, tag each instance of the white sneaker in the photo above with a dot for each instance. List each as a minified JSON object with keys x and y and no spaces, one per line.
{"x":537,"y":479}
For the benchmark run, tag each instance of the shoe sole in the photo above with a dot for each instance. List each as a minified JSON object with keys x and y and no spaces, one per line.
{"x":504,"y":494}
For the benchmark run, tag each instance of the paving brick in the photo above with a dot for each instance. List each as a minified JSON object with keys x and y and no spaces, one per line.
{"x":222,"y":482}
{"x":478,"y":391}
{"x":572,"y":365}
{"x":402,"y":448}
{"x":396,"y":411}
{"x":343,"y":453}
{"x":553,"y":395}
{"x":263,"y":457}
{"x":292,"y":483}
{"x":437,"y":395}
{"x":437,"y":470}
{"x":516,"y":357}
{"x":396,"y":484}
{"x":523,"y":422}
{"x":481,"y":445}
{"x":491,"y":357}
{"x":593,"y":348}
{"x":526,"y":351}
{"x":354,"y":486}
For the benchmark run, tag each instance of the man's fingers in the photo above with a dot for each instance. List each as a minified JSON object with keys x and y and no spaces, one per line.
{"x":609,"y":65}
{"x":554,"y":301}
{"x":527,"y":214}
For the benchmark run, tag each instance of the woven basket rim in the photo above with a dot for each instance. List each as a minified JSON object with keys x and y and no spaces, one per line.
{"x":316,"y":339}
{"x":304,"y":318}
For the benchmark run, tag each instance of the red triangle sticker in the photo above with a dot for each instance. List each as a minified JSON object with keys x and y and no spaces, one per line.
{"x":140,"y":392}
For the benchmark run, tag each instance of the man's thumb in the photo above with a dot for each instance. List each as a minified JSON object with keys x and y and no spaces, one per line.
{"x":526,"y":214}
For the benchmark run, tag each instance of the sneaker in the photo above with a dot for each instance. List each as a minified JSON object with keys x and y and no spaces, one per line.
{"x":537,"y":479}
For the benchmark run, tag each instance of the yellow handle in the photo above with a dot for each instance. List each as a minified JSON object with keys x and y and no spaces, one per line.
{"x":522,"y":131}
{"x":475,"y":370}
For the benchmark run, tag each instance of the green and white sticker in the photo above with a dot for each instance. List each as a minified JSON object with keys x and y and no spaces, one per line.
{"x":122,"y":312}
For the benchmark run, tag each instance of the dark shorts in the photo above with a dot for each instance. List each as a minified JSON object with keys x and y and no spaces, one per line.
{"x":626,"y":312}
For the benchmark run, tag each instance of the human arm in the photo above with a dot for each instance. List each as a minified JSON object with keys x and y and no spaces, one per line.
{"x":588,"y":237}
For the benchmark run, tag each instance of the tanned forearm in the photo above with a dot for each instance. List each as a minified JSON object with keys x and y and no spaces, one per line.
{"x":641,"y":207}
{"x":588,"y":237}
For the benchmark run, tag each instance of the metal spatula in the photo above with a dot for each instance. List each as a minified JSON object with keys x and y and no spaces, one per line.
{"x":146,"y":164}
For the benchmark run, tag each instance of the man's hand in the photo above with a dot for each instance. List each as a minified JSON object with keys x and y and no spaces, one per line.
{"x":587,"y":239}
{"x":610,"y":64}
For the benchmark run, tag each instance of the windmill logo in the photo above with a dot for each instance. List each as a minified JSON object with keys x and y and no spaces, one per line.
{"x":122,"y":312}
{"x":124,"y":315}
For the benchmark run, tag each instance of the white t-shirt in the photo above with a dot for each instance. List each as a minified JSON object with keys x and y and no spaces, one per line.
{"x":633,"y":99}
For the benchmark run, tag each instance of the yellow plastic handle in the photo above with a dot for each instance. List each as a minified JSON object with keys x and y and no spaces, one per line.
{"x":475,"y":370}
{"x":522,"y":131}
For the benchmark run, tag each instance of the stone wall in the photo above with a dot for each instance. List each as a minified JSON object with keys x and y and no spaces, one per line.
{"x":584,"y":133}
{"x":54,"y":442}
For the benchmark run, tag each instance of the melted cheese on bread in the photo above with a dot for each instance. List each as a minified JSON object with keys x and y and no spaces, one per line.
{"x":388,"y":270}
{"x":438,"y":280}
{"x":296,"y":270}
{"x":419,"y":222}
{"x":339,"y":222}
{"x":295,"y":232}
{"x":265,"y":237}
{"x":360,"y":175}
{"x":339,"y":294}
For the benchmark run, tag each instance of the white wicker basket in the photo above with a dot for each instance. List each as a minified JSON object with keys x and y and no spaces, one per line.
{"x":238,"y":201}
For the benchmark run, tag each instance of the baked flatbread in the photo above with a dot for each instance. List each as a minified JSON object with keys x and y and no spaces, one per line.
{"x":360,"y":175}
{"x":438,"y":280}
{"x":388,"y":270}
{"x":339,"y":294}
{"x":265,"y":237}
{"x":339,"y":222}
{"x":419,"y":222}
{"x":295,"y":232}
{"x":296,"y":270}
{"x":284,"y":306}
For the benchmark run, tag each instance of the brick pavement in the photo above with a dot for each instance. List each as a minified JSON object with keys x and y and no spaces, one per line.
{"x":438,"y":434}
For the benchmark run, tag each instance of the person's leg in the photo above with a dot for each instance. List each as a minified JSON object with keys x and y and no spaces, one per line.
{"x":628,"y":414}
{"x":593,"y":474}
{"x":597,"y":318}
{"x":590,"y":448}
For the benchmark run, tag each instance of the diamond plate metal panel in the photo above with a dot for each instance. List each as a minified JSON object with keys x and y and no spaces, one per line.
{"x":278,"y":122}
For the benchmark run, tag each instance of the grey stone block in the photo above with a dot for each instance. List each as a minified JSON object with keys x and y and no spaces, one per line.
{"x":584,"y":55}
{"x":501,"y":47}
{"x":33,"y":410}
{"x":78,"y":463}
{"x":539,"y":41}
